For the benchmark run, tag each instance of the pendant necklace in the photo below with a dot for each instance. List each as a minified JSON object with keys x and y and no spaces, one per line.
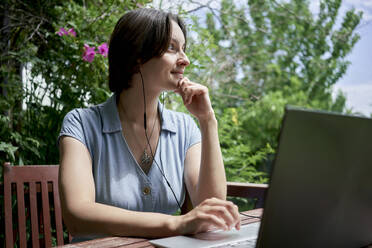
{"x":145,"y":157}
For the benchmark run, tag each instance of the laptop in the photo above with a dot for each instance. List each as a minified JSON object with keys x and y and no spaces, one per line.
{"x":320,"y":192}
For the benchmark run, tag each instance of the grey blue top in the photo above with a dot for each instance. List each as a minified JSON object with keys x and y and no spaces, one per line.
{"x":119,"y":180}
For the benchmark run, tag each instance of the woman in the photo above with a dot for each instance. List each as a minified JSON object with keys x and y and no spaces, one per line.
{"x":117,"y":157}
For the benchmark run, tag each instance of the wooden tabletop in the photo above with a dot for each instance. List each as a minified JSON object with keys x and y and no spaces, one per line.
{"x":111,"y":242}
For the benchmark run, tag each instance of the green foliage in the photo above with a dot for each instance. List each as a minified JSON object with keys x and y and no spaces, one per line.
{"x":58,"y":79}
{"x":260,"y":56}
{"x":243,"y":203}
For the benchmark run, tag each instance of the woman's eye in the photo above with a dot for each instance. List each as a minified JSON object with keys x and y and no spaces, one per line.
{"x":171,"y":47}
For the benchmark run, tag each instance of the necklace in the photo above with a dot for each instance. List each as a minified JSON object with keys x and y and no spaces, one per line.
{"x":145,"y":157}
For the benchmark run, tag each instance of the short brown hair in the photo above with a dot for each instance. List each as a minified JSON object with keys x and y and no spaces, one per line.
{"x":138,"y":36}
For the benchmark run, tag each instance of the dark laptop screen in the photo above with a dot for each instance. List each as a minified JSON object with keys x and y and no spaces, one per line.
{"x":320,"y":192}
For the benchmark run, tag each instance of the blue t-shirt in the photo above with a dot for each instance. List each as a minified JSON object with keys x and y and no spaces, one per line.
{"x":119,"y":180}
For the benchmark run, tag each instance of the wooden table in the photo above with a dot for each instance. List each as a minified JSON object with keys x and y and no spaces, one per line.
{"x":126,"y":242}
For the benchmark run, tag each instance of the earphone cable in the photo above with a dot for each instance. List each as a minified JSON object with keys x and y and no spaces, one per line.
{"x":148,"y":141}
{"x":162,"y":172}
{"x":144,"y":105}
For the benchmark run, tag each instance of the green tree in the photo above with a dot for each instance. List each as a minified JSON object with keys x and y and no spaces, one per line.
{"x":258,"y":57}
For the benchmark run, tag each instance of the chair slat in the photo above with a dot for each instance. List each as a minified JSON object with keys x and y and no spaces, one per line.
{"x":57,"y":212}
{"x":37,"y":176}
{"x":21,"y":214}
{"x":33,"y":210}
{"x":8,"y":211}
{"x":46,"y":213}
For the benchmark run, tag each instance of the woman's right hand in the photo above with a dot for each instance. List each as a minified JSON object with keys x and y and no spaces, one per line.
{"x":211,"y":214}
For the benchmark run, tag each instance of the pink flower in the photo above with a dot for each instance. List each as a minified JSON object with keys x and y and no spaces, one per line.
{"x":72,"y":32}
{"x":89,"y":53}
{"x":103,"y":49}
{"x":62,"y":32}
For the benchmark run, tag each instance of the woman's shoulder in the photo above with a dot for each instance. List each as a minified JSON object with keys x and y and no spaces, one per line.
{"x":83,"y":114}
{"x":90,"y":114}
{"x":179,"y":122}
{"x":184,"y":125}
{"x":175,"y":114}
{"x":177,"y":117}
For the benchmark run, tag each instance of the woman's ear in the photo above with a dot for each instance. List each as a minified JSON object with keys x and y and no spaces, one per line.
{"x":139,"y":61}
{"x":137,"y":67}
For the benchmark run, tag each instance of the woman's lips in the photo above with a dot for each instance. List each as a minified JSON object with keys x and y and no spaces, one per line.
{"x":180,"y":74}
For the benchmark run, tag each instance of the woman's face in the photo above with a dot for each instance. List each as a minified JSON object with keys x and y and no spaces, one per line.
{"x":164,"y":72}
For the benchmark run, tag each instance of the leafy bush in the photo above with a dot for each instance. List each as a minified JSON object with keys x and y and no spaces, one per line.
{"x":58,"y":79}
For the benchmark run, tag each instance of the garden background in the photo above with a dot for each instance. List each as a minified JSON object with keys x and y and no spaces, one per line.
{"x":255,"y":58}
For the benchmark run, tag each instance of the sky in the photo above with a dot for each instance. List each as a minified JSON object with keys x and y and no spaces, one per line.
{"x":356,"y":84}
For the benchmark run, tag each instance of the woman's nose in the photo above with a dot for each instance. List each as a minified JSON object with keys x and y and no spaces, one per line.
{"x":183,"y":59}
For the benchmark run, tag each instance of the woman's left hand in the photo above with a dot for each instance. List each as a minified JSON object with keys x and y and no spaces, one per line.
{"x":196,"y":99}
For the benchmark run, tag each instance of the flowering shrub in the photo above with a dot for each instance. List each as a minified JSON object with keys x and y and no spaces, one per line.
{"x":62,"y":32}
{"x":103,"y":49}
{"x":89,"y":52}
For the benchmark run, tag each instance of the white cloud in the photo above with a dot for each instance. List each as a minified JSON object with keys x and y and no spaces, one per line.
{"x":367,"y":16}
{"x":359,"y":96}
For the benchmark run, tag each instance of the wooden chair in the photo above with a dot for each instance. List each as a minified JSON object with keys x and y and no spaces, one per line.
{"x":246,"y":190}
{"x":35,"y":189}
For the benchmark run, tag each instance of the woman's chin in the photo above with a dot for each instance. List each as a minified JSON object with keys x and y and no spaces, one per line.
{"x":169,"y":87}
{"x":173,"y":84}
{"x":176,"y":76}
{"x":172,"y":87}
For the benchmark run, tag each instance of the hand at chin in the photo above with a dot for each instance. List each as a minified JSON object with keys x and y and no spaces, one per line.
{"x":196,"y":98}
{"x":173,"y":83}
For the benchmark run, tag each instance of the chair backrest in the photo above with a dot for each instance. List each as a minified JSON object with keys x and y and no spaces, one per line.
{"x":34,"y":189}
{"x":248,"y":190}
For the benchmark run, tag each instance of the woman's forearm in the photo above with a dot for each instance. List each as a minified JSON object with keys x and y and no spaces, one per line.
{"x":212,"y":178}
{"x":100,"y":219}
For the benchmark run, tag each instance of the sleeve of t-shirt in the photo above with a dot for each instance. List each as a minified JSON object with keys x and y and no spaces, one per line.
{"x":72,"y":127}
{"x":194,"y":135}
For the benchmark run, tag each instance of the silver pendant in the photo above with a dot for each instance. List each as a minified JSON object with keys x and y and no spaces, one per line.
{"x":145,"y":159}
